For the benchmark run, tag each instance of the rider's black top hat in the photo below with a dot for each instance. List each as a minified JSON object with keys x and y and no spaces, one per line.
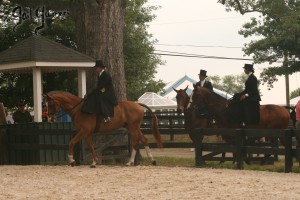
{"x":99,"y":63}
{"x":249,"y":67}
{"x":202,"y":73}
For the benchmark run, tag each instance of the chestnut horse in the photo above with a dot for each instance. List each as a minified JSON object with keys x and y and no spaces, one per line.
{"x":190,"y":121}
{"x":126,"y":114}
{"x":271,"y":116}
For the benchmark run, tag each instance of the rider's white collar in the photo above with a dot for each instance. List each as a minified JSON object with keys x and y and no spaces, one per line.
{"x":249,"y":74}
{"x":101,"y":72}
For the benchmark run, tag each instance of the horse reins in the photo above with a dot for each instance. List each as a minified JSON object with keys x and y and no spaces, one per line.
{"x":69,"y":110}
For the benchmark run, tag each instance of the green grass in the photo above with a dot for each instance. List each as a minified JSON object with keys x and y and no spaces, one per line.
{"x":278,"y":166}
{"x":190,"y":162}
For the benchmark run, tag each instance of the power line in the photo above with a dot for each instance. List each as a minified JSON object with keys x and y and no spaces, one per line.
{"x":202,"y":46}
{"x":187,"y":55}
{"x":194,"y":21}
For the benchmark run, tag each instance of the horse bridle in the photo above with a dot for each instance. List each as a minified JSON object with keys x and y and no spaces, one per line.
{"x":209,"y":104}
{"x":53,"y":100}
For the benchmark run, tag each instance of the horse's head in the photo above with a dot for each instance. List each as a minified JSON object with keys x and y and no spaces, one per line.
{"x":52,"y":107}
{"x":182,"y":99}
{"x":199,"y":97}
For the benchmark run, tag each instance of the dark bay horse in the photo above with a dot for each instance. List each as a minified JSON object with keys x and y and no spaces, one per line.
{"x":271,"y":116}
{"x":126,"y":114}
{"x":190,"y":120}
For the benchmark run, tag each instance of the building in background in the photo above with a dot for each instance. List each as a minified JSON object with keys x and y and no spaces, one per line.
{"x":294,"y":101}
{"x":157,"y":102}
{"x":169,"y":93}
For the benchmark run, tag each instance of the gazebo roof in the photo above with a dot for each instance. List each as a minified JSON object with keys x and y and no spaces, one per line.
{"x":38,"y":51}
{"x":38,"y":54}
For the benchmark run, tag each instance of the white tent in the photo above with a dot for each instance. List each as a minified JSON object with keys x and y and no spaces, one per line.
{"x":294,"y":101}
{"x":181,"y":84}
{"x":157,"y":102}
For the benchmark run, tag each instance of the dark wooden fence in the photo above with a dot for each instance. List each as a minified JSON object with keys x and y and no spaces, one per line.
{"x":35,"y":143}
{"x":243,"y":144}
{"x":41,"y":143}
{"x":45,"y":143}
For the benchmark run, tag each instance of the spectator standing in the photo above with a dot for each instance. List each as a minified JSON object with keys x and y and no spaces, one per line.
{"x":9,"y":118}
{"x":298,"y":115}
{"x":44,"y":113}
{"x":22,"y":115}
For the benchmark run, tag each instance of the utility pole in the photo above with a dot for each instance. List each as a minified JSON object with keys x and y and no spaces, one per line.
{"x":287,"y":89}
{"x":287,"y":82}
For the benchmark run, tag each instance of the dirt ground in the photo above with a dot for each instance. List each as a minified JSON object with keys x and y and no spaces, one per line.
{"x":143,"y":182}
{"x":171,"y":152}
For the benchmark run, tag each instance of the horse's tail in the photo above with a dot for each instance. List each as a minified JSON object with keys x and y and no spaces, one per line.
{"x":154,"y":126}
{"x":292,"y":113}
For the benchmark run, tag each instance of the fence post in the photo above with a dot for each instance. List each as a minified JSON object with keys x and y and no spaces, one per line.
{"x":171,"y":129}
{"x":198,"y":147}
{"x":239,"y":148}
{"x":288,"y":158}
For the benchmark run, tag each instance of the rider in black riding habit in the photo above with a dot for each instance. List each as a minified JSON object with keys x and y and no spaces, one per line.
{"x":102,"y":99}
{"x":250,"y":98}
{"x":203,"y":111}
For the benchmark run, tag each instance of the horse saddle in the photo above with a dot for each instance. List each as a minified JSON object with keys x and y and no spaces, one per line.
{"x":89,"y":105}
{"x":234,"y":111}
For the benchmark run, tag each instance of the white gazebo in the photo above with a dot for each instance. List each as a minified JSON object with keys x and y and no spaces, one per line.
{"x":37,"y":55}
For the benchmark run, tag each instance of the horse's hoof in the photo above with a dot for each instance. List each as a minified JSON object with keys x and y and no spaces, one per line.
{"x":73,"y":164}
{"x":154,"y":162}
{"x":129,"y":163}
{"x":93,"y":166}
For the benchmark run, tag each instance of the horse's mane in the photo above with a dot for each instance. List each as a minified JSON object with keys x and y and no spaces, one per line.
{"x":213,"y":93}
{"x":63,"y":95}
{"x":59,"y":91}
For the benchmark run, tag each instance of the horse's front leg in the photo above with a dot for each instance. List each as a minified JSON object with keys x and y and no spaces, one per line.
{"x":73,"y":141}
{"x":132,"y":157}
{"x":89,"y":141}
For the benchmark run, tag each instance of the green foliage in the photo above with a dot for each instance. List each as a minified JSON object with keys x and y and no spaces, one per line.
{"x":140,"y":62}
{"x":295,"y":93}
{"x":12,"y":84}
{"x":21,"y":84}
{"x":278,"y":30}
{"x":229,"y":83}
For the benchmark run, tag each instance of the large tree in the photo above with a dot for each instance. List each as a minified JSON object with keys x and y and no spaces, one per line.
{"x":229,"y":83}
{"x":140,"y":62}
{"x":278,"y":28}
{"x":99,"y":33}
{"x":99,"y":26}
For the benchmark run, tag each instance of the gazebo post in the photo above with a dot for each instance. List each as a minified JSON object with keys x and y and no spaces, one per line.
{"x":40,"y":54}
{"x":37,"y":94}
{"x":81,"y":82}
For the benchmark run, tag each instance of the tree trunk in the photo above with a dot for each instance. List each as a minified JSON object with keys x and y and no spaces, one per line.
{"x":99,"y":31}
